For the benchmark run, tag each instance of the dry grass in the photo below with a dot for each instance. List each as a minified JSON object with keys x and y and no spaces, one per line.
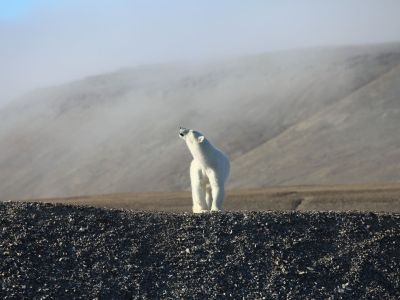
{"x":366,"y":197}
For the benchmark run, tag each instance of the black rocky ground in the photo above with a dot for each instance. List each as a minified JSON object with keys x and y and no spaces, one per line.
{"x":65,"y":252}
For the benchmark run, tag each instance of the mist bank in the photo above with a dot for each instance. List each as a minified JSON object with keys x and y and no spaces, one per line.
{"x":290,"y":117}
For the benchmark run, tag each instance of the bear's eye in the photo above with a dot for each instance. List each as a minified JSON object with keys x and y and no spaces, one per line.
{"x":181,"y":134}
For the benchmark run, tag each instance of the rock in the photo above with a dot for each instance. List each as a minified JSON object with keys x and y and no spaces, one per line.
{"x":91,"y":253}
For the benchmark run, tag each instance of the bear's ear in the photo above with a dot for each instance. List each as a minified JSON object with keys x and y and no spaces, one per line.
{"x":200,"y":139}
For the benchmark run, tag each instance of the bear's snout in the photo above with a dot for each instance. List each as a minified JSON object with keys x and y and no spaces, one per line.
{"x":182,"y":131}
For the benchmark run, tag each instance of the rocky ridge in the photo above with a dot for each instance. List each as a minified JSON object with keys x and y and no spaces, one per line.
{"x":59,"y":251}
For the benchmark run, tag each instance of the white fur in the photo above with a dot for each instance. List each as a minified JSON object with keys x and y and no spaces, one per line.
{"x":209,"y":171}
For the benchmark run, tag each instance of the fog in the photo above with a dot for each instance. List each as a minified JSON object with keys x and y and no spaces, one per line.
{"x":50,"y":42}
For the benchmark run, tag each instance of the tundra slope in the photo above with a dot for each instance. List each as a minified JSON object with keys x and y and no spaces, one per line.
{"x":59,"y":251}
{"x":353,"y":140}
{"x":367,"y":198}
{"x":291,"y":117}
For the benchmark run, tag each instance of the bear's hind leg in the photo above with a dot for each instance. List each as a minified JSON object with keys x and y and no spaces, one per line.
{"x":218,"y":195}
{"x":209,"y":198}
{"x":217,"y":192}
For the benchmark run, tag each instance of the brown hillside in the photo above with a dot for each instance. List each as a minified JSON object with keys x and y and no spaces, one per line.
{"x":353,"y":140}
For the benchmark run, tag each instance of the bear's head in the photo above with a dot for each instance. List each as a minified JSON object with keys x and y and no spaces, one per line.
{"x":191,"y":136}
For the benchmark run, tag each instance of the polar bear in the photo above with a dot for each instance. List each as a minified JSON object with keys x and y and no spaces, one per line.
{"x":209,"y":171}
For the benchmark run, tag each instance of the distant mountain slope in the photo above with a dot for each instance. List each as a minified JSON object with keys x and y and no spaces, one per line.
{"x":118,"y":132}
{"x":354,"y":140}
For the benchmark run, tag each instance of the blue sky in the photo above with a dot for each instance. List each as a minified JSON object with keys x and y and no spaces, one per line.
{"x":51,"y":42}
{"x":14,"y":9}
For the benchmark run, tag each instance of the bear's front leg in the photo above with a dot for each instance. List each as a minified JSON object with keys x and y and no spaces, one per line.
{"x":198,"y":189}
{"x":198,"y":196}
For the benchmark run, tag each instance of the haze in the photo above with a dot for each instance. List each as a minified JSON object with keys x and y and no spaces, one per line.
{"x":50,"y":42}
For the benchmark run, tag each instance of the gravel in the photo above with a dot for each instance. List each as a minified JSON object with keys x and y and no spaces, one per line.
{"x":52,"y":251}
